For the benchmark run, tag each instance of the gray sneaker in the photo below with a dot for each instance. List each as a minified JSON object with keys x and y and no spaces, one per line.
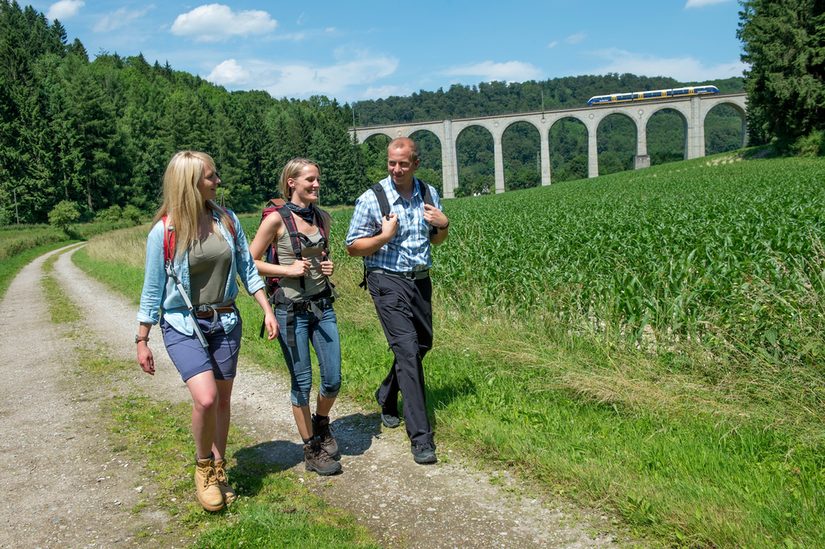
{"x":318,"y":460}
{"x":424,"y":452}
{"x":321,"y":429}
{"x":388,"y":418}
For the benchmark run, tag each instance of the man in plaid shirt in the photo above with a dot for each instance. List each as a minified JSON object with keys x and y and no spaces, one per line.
{"x":397,"y":257}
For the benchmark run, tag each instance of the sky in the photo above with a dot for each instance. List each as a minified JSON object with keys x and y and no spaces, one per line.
{"x":364,"y":49}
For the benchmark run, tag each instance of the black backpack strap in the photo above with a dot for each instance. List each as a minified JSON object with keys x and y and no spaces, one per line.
{"x":381,"y":196}
{"x":424,"y":190}
{"x":322,"y":221}
{"x":292,"y":230}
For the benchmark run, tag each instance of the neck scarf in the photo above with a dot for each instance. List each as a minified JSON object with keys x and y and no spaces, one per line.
{"x":307,"y":214}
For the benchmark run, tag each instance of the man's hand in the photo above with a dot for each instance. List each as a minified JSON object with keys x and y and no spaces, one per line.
{"x":435,"y":217}
{"x":389,"y":226}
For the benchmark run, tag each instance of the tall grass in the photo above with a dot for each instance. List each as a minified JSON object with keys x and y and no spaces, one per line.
{"x":611,"y":340}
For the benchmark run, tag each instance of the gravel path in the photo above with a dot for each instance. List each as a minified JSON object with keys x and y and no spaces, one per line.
{"x":63,"y":486}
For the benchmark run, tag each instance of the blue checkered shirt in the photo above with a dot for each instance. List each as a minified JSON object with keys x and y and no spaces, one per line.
{"x":409,"y":249}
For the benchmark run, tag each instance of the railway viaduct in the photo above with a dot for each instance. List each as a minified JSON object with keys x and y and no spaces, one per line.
{"x":693,"y":110}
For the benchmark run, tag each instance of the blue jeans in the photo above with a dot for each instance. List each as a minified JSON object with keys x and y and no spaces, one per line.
{"x":324,"y":336}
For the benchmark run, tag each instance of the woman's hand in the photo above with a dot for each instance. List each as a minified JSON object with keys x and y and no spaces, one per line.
{"x":271,"y":325}
{"x":327,"y":267}
{"x":299,"y":268}
{"x":145,"y":358}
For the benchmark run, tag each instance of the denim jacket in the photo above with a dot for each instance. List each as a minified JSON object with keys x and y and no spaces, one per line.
{"x":161,"y":293}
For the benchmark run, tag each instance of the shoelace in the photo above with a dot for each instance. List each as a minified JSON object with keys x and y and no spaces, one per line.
{"x":220,"y":474}
{"x":210,"y":478}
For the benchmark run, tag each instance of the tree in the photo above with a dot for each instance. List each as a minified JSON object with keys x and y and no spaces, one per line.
{"x":784,"y":43}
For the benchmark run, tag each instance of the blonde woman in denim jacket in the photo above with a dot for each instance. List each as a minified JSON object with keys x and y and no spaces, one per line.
{"x":209,"y":252}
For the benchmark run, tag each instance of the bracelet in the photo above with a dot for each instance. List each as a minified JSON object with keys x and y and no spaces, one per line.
{"x":138,"y":339}
{"x":445,"y":226}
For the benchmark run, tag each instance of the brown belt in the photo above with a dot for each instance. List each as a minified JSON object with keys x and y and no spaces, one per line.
{"x":212,"y":310}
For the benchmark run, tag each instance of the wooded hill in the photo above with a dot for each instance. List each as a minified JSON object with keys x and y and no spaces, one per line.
{"x":99,"y":133}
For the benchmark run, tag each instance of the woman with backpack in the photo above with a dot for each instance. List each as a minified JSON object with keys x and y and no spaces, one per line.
{"x":194,"y":253}
{"x":297,"y":267}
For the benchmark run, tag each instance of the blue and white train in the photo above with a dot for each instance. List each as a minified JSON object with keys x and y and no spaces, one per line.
{"x":654,"y":94}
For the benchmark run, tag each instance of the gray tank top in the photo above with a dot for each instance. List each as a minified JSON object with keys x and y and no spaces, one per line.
{"x":209,"y":264}
{"x":312,"y":249}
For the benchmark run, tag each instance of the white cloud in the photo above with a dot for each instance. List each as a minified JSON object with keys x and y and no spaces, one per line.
{"x":553,"y":44}
{"x":703,"y":3}
{"x":289,"y":37}
{"x":64,"y":9}
{"x":488,"y":71}
{"x":342,"y":80}
{"x":576,"y":38}
{"x":216,"y":22}
{"x":229,"y":73}
{"x":684,"y":69}
{"x":119,"y":18}
{"x":382,"y":92}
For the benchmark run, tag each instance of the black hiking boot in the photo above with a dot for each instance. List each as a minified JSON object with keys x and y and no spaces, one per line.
{"x":388,"y":417}
{"x":424,"y":452}
{"x":321,"y":429}
{"x":316,"y":459}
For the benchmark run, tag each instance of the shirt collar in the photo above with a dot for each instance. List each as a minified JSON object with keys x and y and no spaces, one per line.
{"x":393,"y":195}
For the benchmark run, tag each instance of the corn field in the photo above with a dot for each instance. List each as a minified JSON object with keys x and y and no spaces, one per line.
{"x":730,"y":253}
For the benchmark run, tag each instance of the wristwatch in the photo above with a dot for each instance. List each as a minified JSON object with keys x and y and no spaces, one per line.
{"x":139,"y":338}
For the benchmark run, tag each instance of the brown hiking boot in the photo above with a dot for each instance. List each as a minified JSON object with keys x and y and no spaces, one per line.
{"x":321,"y":429}
{"x":206,"y":485}
{"x":228,"y":492}
{"x":318,"y":460}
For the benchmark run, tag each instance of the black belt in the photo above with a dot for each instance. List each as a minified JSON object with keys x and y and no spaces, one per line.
{"x":409,"y":275}
{"x":323,"y":303}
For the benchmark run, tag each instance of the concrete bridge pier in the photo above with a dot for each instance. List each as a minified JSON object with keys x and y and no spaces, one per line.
{"x":545,"y":157}
{"x":449,"y":161}
{"x":499,"y":162}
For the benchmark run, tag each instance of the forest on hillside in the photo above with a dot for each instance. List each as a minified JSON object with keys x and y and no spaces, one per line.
{"x":98,"y":132}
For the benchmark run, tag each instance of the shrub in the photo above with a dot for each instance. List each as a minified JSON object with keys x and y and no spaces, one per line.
{"x":811,"y":145}
{"x":112,"y":214}
{"x":132,"y":213}
{"x":64,"y":214}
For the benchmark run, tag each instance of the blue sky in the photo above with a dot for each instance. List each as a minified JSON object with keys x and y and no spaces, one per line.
{"x":369,"y":49}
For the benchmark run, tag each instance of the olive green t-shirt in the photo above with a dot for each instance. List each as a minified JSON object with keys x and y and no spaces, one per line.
{"x":209,"y":264}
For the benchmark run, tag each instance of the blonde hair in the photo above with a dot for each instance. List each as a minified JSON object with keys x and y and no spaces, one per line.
{"x":292,"y":170}
{"x":183,"y":203}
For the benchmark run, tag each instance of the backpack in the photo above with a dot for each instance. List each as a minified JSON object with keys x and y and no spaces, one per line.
{"x":384,"y":206}
{"x":273,"y":283}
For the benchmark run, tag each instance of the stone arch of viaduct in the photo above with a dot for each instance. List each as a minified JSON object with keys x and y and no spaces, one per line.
{"x":692,"y":109}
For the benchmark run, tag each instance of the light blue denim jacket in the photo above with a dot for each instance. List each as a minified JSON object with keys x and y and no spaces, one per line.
{"x":160,"y":291}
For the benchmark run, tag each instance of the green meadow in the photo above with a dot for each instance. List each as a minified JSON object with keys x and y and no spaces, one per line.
{"x":648,"y":342}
